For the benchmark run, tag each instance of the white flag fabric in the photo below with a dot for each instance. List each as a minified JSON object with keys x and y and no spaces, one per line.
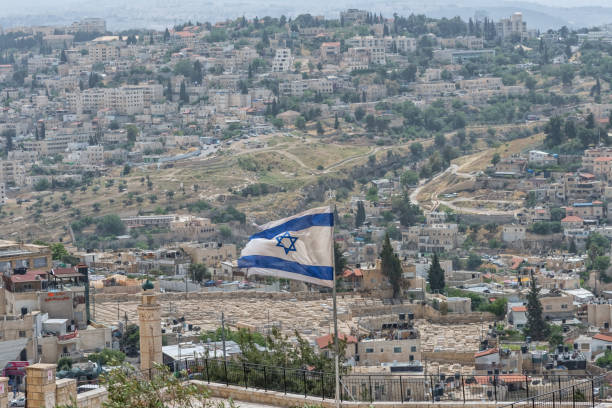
{"x":298,"y":247}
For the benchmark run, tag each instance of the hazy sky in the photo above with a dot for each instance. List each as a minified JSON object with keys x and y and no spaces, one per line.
{"x":158,"y":14}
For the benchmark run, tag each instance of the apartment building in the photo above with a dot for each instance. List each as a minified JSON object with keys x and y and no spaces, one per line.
{"x":480,"y":83}
{"x":581,"y":186}
{"x":352,"y":16}
{"x":210,"y":254}
{"x":593,"y":210}
{"x":330,"y":51}
{"x":297,"y":88}
{"x":455,"y":56}
{"x":19,"y":255}
{"x":556,"y":306}
{"x":541,"y":158}
{"x":12,"y":172}
{"x":128,"y":99}
{"x":589,"y":156}
{"x":2,"y":193}
{"x":89,"y":25}
{"x":430,"y":238}
{"x":374,"y":47}
{"x":514,"y":26}
{"x":434,"y":88}
{"x":103,"y":52}
{"x":283,"y":61}
{"x":470,"y":42}
{"x":394,"y":345}
{"x":223,"y":100}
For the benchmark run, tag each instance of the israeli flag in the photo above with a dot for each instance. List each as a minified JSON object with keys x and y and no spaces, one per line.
{"x":298,"y":247}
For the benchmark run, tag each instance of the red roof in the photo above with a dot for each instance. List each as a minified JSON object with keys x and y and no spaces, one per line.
{"x":603,"y":337}
{"x":519,"y":308}
{"x":516,"y":262}
{"x":328,"y":339}
{"x":63,"y":271}
{"x":485,"y":352}
{"x":352,"y":272}
{"x":29,"y":276}
{"x":572,"y":218}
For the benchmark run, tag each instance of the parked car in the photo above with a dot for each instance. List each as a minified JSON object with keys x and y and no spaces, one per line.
{"x":18,"y":402}
{"x":210,"y":283}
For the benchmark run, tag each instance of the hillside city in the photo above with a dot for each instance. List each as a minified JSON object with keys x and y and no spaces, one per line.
{"x":468,"y":165}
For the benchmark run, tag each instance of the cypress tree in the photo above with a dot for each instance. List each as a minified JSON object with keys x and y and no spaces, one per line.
{"x":361,"y":215}
{"x":537,"y":327}
{"x":435,"y":275}
{"x":391,"y":266}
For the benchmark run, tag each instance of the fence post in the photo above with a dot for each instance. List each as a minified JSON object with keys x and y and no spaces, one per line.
{"x":559,"y":382}
{"x":495,"y":387}
{"x":573,"y":397}
{"x":304,"y":377}
{"x":371,"y":394}
{"x":340,"y":391}
{"x":593,"y":391}
{"x":285,"y":380}
{"x":246,"y":381}
{"x":433,"y":398}
{"x":225,"y":369}
{"x":527,"y":385}
{"x":206,"y":365}
{"x":553,"y":397}
{"x":463,"y":387}
{"x":401,"y":390}
{"x":265,"y":380}
{"x":322,"y":387}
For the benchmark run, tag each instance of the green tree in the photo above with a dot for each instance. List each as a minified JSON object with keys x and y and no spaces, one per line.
{"x":64,"y":364}
{"x":572,"y":247}
{"x":496,"y":159}
{"x":339,"y":262}
{"x":320,"y":130}
{"x":360,"y":216}
{"x":435,"y":275}
{"x":110,"y":225}
{"x":391,"y":266}
{"x":536,"y":328}
{"x":107,"y":356}
{"x":336,"y":122}
{"x":300,"y":123}
{"x":198,"y":272}
{"x":183,"y":93}
{"x":128,"y":387}
{"x":409,"y":178}
{"x":132,"y":133}
{"x":474,"y":261}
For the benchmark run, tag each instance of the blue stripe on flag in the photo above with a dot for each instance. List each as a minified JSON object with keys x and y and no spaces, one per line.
{"x":270,"y":262}
{"x":297,"y":224}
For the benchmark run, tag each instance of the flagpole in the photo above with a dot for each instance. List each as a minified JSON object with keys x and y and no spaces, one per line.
{"x":335,"y":315}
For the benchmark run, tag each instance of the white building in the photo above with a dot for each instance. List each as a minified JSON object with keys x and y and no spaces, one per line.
{"x":283,"y":61}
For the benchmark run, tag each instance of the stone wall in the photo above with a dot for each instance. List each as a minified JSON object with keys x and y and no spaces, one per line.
{"x":92,"y":399}
{"x":450,"y":357}
{"x":278,"y":399}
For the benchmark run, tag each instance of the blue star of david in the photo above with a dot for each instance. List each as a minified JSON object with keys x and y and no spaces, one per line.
{"x":280,"y":242}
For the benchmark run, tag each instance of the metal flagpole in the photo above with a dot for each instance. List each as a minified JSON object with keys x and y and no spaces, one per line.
{"x":335,"y":313}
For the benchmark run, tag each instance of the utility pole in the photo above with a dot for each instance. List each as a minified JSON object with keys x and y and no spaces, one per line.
{"x":118,"y":318}
{"x":223,"y":333}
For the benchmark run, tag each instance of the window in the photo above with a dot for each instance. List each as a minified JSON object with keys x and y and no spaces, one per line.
{"x":413,"y":349}
{"x":22,"y":333}
{"x":369,"y":350}
{"x":548,"y":307}
{"x":397,"y":349}
{"x":564,"y":306}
